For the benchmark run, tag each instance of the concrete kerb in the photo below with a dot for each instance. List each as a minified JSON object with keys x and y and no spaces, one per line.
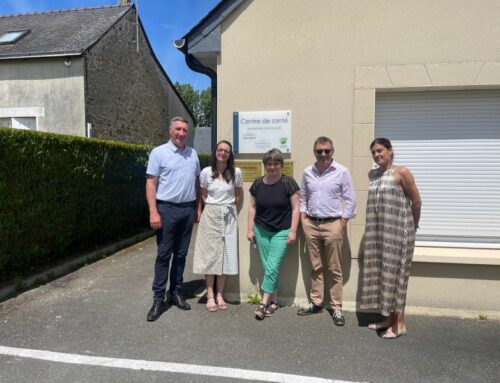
{"x":71,"y":265}
{"x":409,"y":310}
{"x":438,"y":312}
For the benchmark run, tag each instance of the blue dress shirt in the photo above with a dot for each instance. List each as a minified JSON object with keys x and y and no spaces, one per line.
{"x":176,"y":171}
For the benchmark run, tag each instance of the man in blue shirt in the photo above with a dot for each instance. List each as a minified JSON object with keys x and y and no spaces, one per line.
{"x":172,"y":192}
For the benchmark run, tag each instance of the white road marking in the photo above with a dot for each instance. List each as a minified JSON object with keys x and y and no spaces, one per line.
{"x":180,"y":368}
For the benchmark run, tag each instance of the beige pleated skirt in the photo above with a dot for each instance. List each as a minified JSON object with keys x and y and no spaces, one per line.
{"x":216,"y":248}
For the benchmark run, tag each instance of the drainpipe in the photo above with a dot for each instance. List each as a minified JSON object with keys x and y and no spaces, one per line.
{"x":193,"y":64}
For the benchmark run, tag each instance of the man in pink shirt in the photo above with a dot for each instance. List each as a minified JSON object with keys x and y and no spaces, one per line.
{"x":327,"y":202}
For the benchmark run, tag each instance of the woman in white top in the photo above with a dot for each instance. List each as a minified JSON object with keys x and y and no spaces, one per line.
{"x":216,"y":249}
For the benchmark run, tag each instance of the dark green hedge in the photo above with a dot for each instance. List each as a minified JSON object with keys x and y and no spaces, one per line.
{"x":60,"y":194}
{"x":204,"y":159}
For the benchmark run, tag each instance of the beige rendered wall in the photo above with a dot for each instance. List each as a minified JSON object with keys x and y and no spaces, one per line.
{"x":56,"y":90}
{"x":325,"y":60}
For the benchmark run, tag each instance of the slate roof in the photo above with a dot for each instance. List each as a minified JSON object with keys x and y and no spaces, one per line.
{"x":68,"y":32}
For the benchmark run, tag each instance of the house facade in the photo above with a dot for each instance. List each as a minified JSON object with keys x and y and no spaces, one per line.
{"x":88,"y":72}
{"x":424,"y":74}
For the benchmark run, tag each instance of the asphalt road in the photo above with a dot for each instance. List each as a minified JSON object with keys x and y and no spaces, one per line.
{"x":100,"y":311}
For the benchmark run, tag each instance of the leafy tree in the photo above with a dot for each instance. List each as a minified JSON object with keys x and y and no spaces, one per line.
{"x":200,"y":103}
{"x":206,"y":107}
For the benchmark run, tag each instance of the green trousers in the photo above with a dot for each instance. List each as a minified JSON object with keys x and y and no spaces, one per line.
{"x":272,"y":249}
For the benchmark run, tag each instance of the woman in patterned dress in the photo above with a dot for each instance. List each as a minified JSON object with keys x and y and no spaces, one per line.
{"x":216,"y":249}
{"x":392,"y":215}
{"x":273,"y":218}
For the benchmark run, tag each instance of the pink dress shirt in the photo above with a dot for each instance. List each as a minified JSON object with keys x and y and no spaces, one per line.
{"x":329,"y":194}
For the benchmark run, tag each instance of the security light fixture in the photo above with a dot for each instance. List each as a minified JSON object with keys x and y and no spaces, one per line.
{"x":179,"y":43}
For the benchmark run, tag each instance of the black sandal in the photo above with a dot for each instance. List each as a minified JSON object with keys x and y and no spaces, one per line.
{"x":272,"y":308}
{"x":260,"y":313}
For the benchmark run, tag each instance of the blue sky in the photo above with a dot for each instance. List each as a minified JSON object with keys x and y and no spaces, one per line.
{"x":163,"y":20}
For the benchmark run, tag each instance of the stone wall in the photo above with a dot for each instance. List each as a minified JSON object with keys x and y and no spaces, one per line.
{"x":128,"y":96}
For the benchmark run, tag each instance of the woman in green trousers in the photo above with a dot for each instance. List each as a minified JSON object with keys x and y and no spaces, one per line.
{"x":273,"y":217}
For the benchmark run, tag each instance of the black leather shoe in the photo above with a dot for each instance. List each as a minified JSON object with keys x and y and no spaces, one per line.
{"x":156,"y":310}
{"x":311,"y":308}
{"x":178,"y":300}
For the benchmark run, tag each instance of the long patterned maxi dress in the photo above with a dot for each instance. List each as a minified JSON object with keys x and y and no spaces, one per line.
{"x":389,"y":244}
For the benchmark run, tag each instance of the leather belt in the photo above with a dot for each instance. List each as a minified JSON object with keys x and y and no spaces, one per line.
{"x":323,"y":219}
{"x":177,"y":204}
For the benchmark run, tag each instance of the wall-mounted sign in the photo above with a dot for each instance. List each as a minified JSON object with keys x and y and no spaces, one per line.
{"x":288,"y":168}
{"x":258,"y":132}
{"x":250,"y":169}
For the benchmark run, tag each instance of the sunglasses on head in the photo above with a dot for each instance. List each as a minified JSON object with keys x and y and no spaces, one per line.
{"x":326,"y":151}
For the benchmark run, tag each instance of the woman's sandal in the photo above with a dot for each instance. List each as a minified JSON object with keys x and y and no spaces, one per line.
{"x":211,"y":307}
{"x":379,"y":326}
{"x":271,"y":309}
{"x":221,"y":306}
{"x":260,"y":313}
{"x":394,"y":335}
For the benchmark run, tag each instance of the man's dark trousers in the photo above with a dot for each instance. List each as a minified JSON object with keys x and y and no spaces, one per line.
{"x":172,"y":239}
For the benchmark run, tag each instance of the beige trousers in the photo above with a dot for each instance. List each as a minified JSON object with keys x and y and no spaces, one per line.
{"x":324,"y":245}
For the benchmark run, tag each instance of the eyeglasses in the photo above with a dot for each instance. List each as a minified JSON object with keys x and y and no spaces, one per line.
{"x":223,"y":151}
{"x":320,"y":151}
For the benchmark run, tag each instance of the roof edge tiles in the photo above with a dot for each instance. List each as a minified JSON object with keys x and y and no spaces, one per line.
{"x":208,"y":26}
{"x":63,"y":10}
{"x":41,"y":55}
{"x":68,"y":32}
